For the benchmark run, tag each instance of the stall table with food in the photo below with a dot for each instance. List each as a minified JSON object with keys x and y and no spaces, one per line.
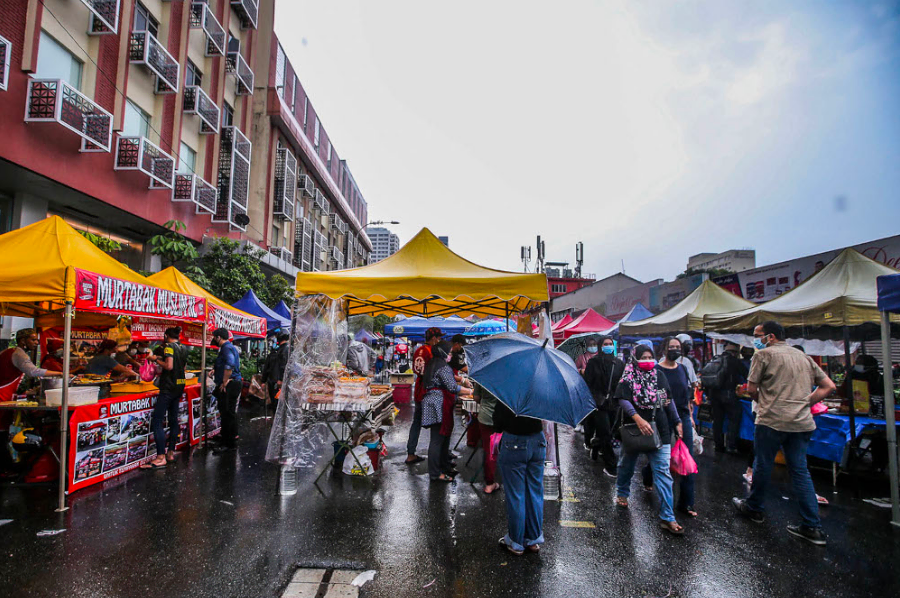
{"x":347,"y":404}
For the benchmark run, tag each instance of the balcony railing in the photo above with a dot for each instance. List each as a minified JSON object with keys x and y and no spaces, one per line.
{"x":5,"y":59}
{"x":197,"y":102}
{"x":321,"y":202}
{"x":202,"y":17}
{"x":190,"y":187}
{"x":285,"y":184}
{"x":104,"y":16}
{"x":282,"y":253}
{"x":247,"y":10}
{"x":243,"y":74}
{"x":54,"y":100}
{"x":146,"y":49}
{"x":141,"y":154}
{"x":234,"y":177}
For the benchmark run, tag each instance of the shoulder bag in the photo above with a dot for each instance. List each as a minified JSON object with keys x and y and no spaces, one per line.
{"x":634,"y":441}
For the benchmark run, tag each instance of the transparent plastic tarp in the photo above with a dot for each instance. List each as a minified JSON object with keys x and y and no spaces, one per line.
{"x":318,"y":350}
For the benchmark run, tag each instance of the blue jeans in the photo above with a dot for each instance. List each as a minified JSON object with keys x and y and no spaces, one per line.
{"x":767,"y":441}
{"x":521,"y":463}
{"x":686,"y":484}
{"x":414,"y":430}
{"x":662,"y":477}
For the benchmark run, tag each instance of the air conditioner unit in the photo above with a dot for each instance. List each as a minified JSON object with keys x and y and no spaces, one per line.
{"x":307,"y":186}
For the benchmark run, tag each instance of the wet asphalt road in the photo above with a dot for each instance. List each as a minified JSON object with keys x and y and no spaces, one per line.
{"x":215,"y":526}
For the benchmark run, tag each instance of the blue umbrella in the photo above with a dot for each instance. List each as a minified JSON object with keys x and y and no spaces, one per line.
{"x":531,"y":378}
{"x":489,"y":327}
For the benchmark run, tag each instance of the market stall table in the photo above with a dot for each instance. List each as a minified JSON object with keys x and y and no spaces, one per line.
{"x":354,"y":415}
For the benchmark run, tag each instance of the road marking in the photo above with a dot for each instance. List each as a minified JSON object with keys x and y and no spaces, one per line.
{"x":570,"y":523}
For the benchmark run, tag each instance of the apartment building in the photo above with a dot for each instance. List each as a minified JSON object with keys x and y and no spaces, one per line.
{"x":384,"y":243}
{"x":733,"y":260}
{"x":137,"y":112}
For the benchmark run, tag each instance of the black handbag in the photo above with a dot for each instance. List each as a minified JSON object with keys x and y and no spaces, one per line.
{"x":635,"y":441}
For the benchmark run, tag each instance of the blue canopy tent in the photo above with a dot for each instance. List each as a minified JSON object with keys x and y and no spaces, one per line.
{"x":889,"y":302}
{"x":365,"y":335}
{"x":490,"y":327}
{"x":283,"y":310}
{"x":414,"y":328}
{"x":251,"y":304}
{"x":638,"y":312}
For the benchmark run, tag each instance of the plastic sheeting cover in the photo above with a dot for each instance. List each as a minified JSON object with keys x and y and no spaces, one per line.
{"x":319,"y":345}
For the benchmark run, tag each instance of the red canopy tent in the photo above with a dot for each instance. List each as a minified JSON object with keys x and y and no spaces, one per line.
{"x":589,"y":321}
{"x":567,"y":319}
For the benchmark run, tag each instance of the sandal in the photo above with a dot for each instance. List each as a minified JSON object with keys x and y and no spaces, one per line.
{"x":621,"y":501}
{"x":491,"y":488}
{"x":442,"y":478}
{"x":672,"y":527}
{"x":689,"y":511}
{"x":510,"y":548}
{"x":534,"y":548}
{"x":170,"y":456}
{"x":418,"y":459}
{"x":152,"y":465}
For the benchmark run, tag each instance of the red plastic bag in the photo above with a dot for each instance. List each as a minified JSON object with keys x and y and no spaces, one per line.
{"x":148,"y":371}
{"x":698,"y":396}
{"x":819,"y":409}
{"x":495,"y":443}
{"x":682,"y":463}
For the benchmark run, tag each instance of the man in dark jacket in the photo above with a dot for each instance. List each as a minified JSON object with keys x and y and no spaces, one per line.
{"x":602,"y":374}
{"x":275,"y":369}
{"x":725,"y":402}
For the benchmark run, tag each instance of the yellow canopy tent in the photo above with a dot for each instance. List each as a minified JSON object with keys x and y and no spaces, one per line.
{"x":843,"y":293}
{"x":687,"y":315}
{"x":425,"y":278}
{"x":221,"y":314}
{"x":52,"y":270}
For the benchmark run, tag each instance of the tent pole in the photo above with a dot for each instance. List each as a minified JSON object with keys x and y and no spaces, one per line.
{"x":507,"y":317}
{"x":889,"y":416}
{"x":848,"y":383}
{"x":64,"y":409}
{"x":203,"y":343}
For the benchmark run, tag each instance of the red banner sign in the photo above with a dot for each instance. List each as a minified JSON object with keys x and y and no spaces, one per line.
{"x":98,"y":293}
{"x":113,"y":436}
{"x":238,"y":324}
{"x":154,"y":330}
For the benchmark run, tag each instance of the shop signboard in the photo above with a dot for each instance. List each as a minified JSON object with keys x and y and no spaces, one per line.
{"x":154,"y":330}
{"x":619,"y":304}
{"x":98,"y":293}
{"x":113,"y":436}
{"x":239,"y":324}
{"x":768,"y":282}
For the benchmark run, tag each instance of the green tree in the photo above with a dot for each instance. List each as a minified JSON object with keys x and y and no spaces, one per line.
{"x":379,"y":323}
{"x":276,"y":288}
{"x":172,"y":246}
{"x":231,"y":270}
{"x":103,"y":243}
{"x":713,"y":272}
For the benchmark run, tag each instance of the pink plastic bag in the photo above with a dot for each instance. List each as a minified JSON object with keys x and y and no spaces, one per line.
{"x":148,"y":371}
{"x":495,"y":443}
{"x":819,"y":409}
{"x":682,"y":463}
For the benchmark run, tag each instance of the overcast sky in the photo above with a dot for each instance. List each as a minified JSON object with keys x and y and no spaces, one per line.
{"x":648,"y":130}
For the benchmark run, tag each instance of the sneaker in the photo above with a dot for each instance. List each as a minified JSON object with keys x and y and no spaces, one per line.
{"x":741,"y":507}
{"x":810,"y":534}
{"x":510,"y":548}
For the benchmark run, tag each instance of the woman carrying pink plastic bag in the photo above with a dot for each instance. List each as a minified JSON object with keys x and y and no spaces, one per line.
{"x":682,"y":462}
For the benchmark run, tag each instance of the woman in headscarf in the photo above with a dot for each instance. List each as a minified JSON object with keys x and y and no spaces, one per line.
{"x":441,"y":390}
{"x":643,"y":394}
{"x":602,"y":374}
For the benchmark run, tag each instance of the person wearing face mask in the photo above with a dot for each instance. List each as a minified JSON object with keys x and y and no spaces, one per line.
{"x":676,"y":375}
{"x":644,"y":396}
{"x":602,"y":374}
{"x":725,"y":402}
{"x":441,"y":390}
{"x":53,"y":360}
{"x":590,"y":351}
{"x":865,"y":368}
{"x":780,"y":381}
{"x":687,"y":359}
{"x":227,"y":378}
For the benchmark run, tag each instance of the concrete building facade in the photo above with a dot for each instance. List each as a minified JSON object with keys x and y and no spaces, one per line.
{"x":594,"y":296}
{"x":733,"y":260}
{"x":384,"y":243}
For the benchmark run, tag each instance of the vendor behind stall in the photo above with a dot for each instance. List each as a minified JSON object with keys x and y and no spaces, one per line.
{"x":16,"y":361}
{"x":53,"y":360}
{"x":104,"y":364}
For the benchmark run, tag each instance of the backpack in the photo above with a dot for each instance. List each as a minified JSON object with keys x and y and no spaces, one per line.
{"x":714,"y":375}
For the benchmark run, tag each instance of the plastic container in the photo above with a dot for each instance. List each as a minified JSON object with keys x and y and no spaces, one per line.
{"x":551,"y":481}
{"x":374,"y":454}
{"x":78,"y":395}
{"x":287,"y":484}
{"x":402,"y":394}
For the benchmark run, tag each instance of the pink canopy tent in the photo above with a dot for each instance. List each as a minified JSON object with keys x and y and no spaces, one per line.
{"x":589,"y":321}
{"x":567,"y":319}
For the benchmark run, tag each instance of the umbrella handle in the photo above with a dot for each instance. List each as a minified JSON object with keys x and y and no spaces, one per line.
{"x":544,"y":346}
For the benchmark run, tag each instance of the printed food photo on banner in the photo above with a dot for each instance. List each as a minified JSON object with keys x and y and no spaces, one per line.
{"x":88,"y":464}
{"x":114,"y":456}
{"x":141,"y":424}
{"x":91,"y":435}
{"x":137,"y":449}
{"x":126,"y":426}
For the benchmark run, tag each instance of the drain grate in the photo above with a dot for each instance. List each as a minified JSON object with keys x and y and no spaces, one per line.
{"x":322,"y":583}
